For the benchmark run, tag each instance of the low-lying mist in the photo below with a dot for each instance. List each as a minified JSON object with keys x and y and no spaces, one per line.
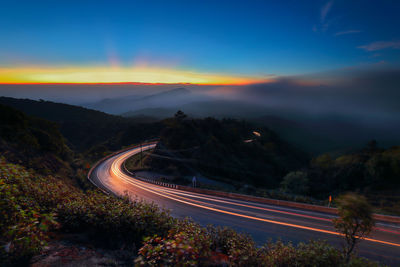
{"x":323,"y":111}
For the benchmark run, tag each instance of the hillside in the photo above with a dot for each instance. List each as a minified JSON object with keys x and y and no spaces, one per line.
{"x":47,"y":222}
{"x":50,"y":216}
{"x":329,"y":134}
{"x":226,"y":150}
{"x":35,"y":142}
{"x":372,"y":171}
{"x":165,"y":99}
{"x":58,"y":112}
{"x":85,"y":128}
{"x":204,"y":108}
{"x":313,"y":133}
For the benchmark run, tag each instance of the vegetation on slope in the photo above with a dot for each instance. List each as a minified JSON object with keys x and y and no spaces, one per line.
{"x":34,"y":208}
{"x":226,"y":149}
{"x":372,"y":171}
{"x":86,"y":129}
{"x":35,"y":142}
{"x":16,"y":127}
{"x":51,"y":199}
{"x":33,"y":205}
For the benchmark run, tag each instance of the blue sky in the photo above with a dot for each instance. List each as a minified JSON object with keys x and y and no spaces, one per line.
{"x":235,"y":37}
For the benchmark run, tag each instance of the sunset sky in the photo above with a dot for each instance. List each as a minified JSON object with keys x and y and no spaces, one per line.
{"x":198,"y":42}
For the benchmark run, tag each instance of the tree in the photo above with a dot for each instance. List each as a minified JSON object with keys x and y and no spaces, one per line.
{"x":295,"y":183}
{"x":179,"y":115}
{"x":355,"y":221}
{"x":323,"y":161}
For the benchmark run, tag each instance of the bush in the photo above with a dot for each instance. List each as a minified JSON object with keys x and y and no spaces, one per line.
{"x":24,"y":226}
{"x":188,"y":244}
{"x":29,"y":204}
{"x":295,"y":183}
{"x":315,"y":253}
{"x":32,"y":206}
{"x":239,"y":249}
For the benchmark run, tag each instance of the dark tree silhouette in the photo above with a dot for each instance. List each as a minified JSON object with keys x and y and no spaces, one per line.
{"x":180,"y":115}
{"x":355,"y":221}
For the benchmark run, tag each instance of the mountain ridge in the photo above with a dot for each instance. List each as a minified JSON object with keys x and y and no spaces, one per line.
{"x":122,"y":105}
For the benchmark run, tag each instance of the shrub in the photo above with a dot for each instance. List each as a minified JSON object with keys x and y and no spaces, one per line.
{"x":187,"y":244}
{"x":314,"y":253}
{"x":239,"y":249}
{"x":32,"y":206}
{"x":355,"y":220}
{"x":24,"y":226}
{"x":29,"y":203}
{"x":295,"y":183}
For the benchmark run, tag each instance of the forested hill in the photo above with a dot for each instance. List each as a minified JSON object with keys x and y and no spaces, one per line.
{"x":229,"y":150}
{"x":85,"y":128}
{"x":58,"y":112}
{"x":37,"y":143}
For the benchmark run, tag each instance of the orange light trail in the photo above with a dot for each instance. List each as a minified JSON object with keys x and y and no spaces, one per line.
{"x":105,"y":75}
{"x":115,"y":171}
{"x":177,"y":192}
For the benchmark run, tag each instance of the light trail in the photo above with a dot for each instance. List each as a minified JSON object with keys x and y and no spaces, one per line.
{"x":250,"y":206}
{"x":178,"y":192}
{"x":214,"y":199}
{"x":115,"y":169}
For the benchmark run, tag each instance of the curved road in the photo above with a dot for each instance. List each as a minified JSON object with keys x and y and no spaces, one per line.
{"x":261,"y":221}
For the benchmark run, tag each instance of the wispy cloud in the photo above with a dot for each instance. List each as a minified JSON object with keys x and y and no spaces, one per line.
{"x":324,"y":24}
{"x":375,"y":46}
{"x":347,"y":32}
{"x":325,"y":10}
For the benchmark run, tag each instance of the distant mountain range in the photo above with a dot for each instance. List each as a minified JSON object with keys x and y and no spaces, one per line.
{"x":167,"y":99}
{"x":208,"y":108}
{"x":312,"y":133}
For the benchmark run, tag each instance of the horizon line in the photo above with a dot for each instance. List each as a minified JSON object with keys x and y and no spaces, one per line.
{"x":125,"y":83}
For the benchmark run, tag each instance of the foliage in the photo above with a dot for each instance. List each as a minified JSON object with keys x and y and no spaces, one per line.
{"x":383,"y":169}
{"x":95,"y":128}
{"x":23,"y":224}
{"x":34,"y":133}
{"x":215,"y":148}
{"x":31,"y":205}
{"x":43,"y":203}
{"x":218,"y":149}
{"x":188,"y":244}
{"x":295,"y":183}
{"x":323,"y":161}
{"x":34,"y":142}
{"x":311,"y":254}
{"x":355,"y":220}
{"x":314,"y":253}
{"x":371,"y":171}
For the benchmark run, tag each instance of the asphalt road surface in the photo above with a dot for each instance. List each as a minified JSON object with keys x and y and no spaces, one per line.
{"x":263,"y":222}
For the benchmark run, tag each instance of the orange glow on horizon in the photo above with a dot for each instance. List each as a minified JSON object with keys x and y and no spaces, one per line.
{"x":117,"y":75}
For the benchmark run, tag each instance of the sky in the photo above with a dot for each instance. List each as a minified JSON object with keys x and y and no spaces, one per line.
{"x":197,"y":42}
